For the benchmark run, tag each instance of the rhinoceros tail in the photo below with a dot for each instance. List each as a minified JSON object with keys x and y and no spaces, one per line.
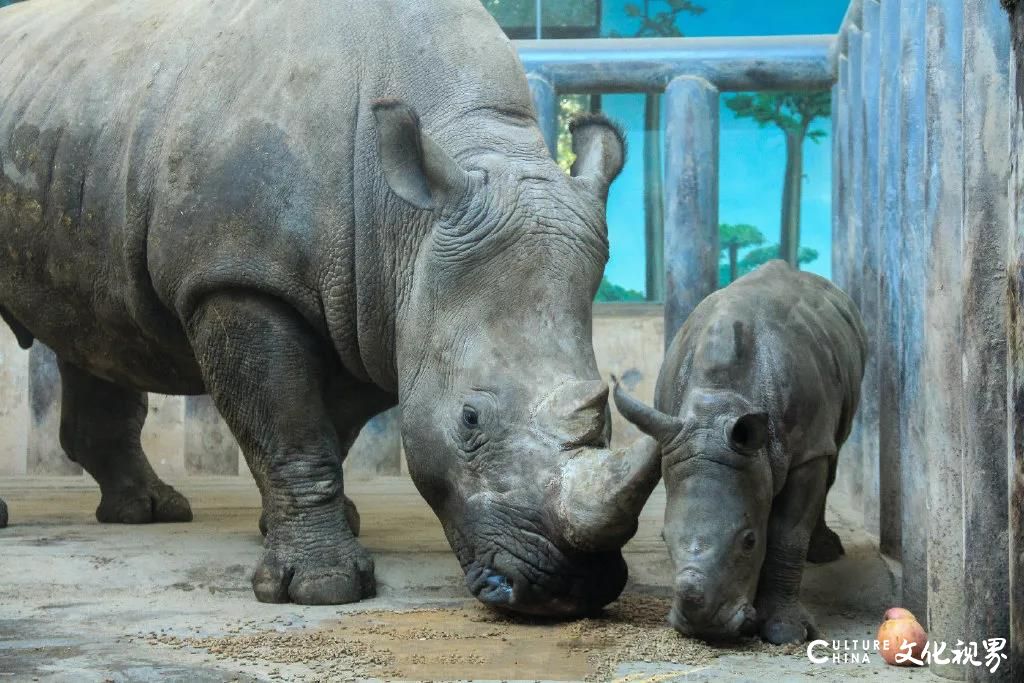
{"x":21,"y":333}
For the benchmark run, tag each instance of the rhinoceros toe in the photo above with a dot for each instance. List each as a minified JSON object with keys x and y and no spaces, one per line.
{"x":158,"y":503}
{"x":341,"y":575}
{"x":788,"y":624}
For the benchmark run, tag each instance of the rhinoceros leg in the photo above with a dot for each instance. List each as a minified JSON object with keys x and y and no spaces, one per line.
{"x":270,"y":375}
{"x":795,"y":512}
{"x":100,"y":428}
{"x":825,"y":545}
{"x":3,"y":513}
{"x":351,"y":516}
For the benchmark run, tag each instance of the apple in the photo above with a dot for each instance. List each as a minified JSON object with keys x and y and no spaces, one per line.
{"x":900,"y":627}
{"x":898,"y":613}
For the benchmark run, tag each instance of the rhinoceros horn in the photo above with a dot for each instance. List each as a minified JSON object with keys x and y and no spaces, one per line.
{"x":602,"y":491}
{"x":650,"y":421}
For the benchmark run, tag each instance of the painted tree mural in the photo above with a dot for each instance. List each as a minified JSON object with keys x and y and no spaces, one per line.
{"x":663,"y":23}
{"x":793,"y":113}
{"x":732,"y":238}
{"x":609,"y":291}
{"x":762,"y":255}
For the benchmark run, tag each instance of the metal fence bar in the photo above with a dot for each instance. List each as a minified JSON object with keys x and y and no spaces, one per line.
{"x":691,"y":197}
{"x":890,"y":385}
{"x":986,"y":127}
{"x":654,"y":206}
{"x":1015,"y":350}
{"x":913,"y":440}
{"x":941,"y":364}
{"x":649,"y":64}
{"x":840,"y":177}
{"x":870,"y":209}
{"x":838,"y":222}
{"x":851,"y":19}
{"x":545,"y":101}
{"x":850,"y":472}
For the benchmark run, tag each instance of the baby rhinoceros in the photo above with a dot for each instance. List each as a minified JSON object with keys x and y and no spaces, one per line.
{"x":754,"y":400}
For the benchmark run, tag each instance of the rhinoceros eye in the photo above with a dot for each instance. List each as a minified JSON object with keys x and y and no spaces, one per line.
{"x":470,"y":418}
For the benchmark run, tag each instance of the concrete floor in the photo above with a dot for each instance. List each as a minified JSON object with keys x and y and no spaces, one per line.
{"x":81,"y":601}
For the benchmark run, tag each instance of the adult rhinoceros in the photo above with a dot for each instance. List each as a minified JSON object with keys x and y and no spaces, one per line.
{"x":313,"y":211}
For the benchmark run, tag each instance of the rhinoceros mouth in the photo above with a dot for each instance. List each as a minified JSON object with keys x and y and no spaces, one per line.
{"x":728,"y":623}
{"x":569,"y":590}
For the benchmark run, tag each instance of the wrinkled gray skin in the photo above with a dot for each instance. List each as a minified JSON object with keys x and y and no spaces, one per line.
{"x":753,"y":402}
{"x":314,"y":213}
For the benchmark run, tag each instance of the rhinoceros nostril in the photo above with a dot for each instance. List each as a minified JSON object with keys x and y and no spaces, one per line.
{"x":690,"y":588}
{"x":692,"y":598}
{"x":497,"y":590}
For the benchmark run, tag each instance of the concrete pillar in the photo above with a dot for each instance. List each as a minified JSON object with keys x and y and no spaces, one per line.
{"x":1015,"y":350}
{"x":941,"y":363}
{"x":210,"y":448}
{"x":45,"y":455}
{"x":850,"y":472}
{"x":870,"y":212}
{"x":545,"y":101}
{"x":378,"y":448}
{"x":890,"y":344}
{"x":986,"y":134}
{"x":691,"y":197}
{"x":14,"y":412}
{"x":914,"y":441}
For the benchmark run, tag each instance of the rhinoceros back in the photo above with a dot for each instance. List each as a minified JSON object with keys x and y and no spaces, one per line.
{"x":153,"y":151}
{"x":790,"y":342}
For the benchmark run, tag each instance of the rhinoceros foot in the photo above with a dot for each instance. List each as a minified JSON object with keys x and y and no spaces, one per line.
{"x":154,"y":503}
{"x":321,"y":571}
{"x":3,"y":514}
{"x":786,"y":623}
{"x":825,"y":545}
{"x":351,"y":516}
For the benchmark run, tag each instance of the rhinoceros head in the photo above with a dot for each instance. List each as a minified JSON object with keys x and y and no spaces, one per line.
{"x":505,"y":418}
{"x":718,"y":488}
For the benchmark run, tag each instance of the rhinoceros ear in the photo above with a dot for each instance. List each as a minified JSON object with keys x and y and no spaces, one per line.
{"x":748,"y":433}
{"x":600,"y":149}
{"x":415,"y":167}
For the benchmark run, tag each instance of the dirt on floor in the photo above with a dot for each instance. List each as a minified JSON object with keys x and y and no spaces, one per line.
{"x":81,"y":601}
{"x":470,"y":642}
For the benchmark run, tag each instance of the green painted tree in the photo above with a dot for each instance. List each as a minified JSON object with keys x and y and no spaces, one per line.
{"x":732,"y":238}
{"x":612,"y":292}
{"x":793,"y":113}
{"x":757,"y":257}
{"x":663,"y":24}
{"x":568,"y":107}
